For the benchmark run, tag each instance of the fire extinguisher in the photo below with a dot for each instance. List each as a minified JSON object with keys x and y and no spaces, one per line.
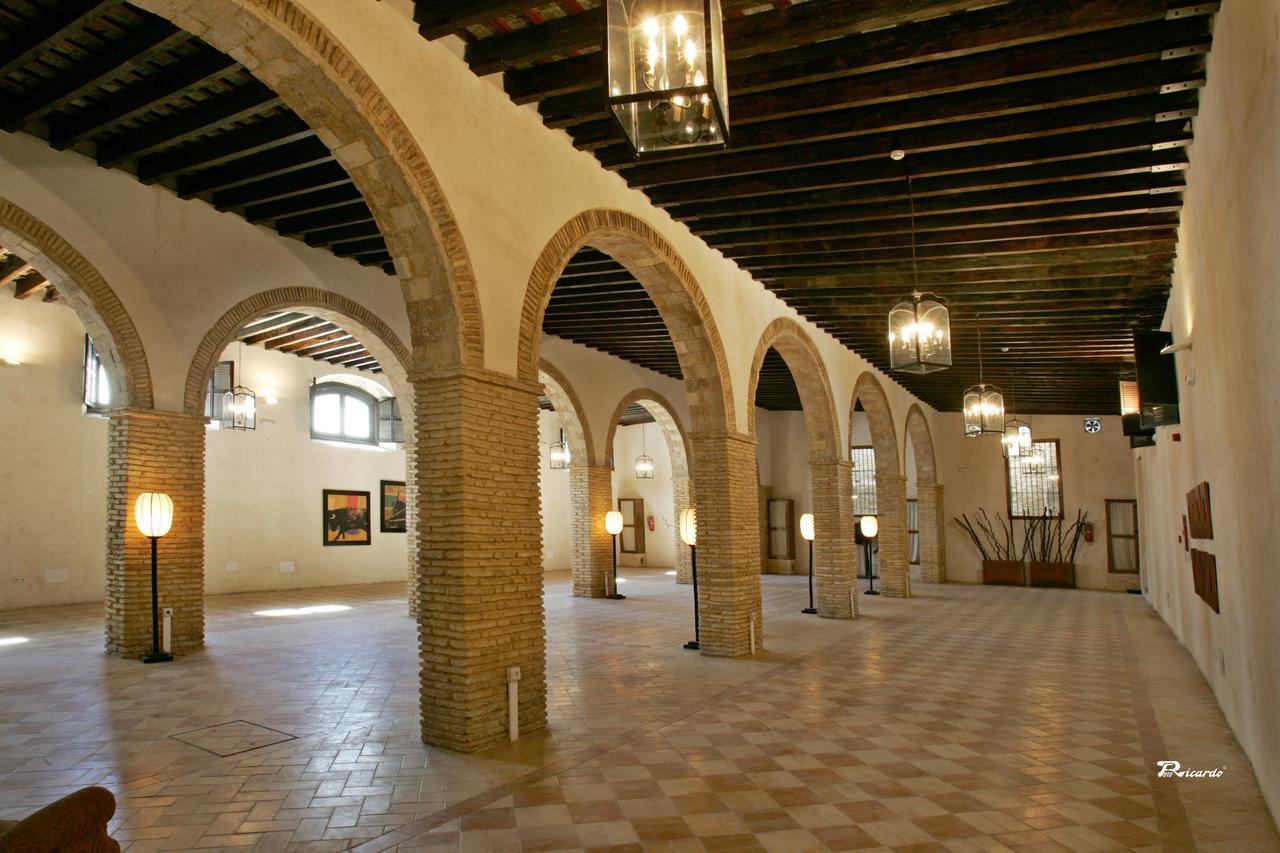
{"x":650,"y":523}
{"x":1088,"y":531}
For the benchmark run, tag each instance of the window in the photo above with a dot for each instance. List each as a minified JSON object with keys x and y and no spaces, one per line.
{"x":390,"y":425}
{"x":864,"y":480}
{"x":222,"y":381}
{"x":631,"y":540}
{"x":1122,"y":536}
{"x":343,"y":413}
{"x":782,"y":532}
{"x":97,"y":387}
{"x":913,"y":530}
{"x":1034,"y":481}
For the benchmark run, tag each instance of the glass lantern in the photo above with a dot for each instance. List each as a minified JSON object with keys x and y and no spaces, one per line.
{"x":1017,"y":438}
{"x":666,"y":73}
{"x":920,"y":334}
{"x":239,"y":409}
{"x":983,"y":411}
{"x":644,"y":467}
{"x":559,"y":454}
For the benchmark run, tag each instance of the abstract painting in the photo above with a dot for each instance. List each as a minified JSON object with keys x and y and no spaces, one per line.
{"x":346,"y":517}
{"x":394,"y":509}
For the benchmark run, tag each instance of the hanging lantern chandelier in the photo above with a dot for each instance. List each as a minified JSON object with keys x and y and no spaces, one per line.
{"x":666,"y":65}
{"x":559,"y":454}
{"x":239,"y":405}
{"x":919,"y":325}
{"x":644,"y":462}
{"x":983,"y":403}
{"x":1016,"y":440}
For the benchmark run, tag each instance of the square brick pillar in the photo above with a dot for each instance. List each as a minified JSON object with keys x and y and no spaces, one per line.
{"x":933,"y":532}
{"x":835,"y":553}
{"x":683,"y":499}
{"x":412,"y":539}
{"x":728,"y":542}
{"x":150,"y":451}
{"x":895,"y":555}
{"x":479,"y":566}
{"x":590,"y":497}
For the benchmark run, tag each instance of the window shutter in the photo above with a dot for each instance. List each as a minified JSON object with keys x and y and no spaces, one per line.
{"x":90,"y":373}
{"x":221,"y":382}
{"x":390,"y":425}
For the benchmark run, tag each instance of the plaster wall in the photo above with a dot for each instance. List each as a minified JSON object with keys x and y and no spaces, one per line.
{"x":177,"y":266}
{"x":659,"y":543}
{"x":557,"y":546}
{"x":1226,"y":301}
{"x":1093,"y":468}
{"x":783,"y":457}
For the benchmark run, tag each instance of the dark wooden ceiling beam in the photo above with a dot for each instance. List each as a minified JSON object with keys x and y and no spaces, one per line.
{"x":224,"y":147}
{"x":1101,"y":247}
{"x":254,"y":167}
{"x":281,"y":329}
{"x":327,"y":236}
{"x":313,"y":334}
{"x":189,"y":123}
{"x":307,"y":202}
{"x":341,"y":215}
{"x":53,"y":27}
{"x":298,"y":182}
{"x":28,"y":283}
{"x":438,"y":18}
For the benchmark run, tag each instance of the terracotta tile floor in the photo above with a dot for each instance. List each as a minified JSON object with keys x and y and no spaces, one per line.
{"x":966,"y":719}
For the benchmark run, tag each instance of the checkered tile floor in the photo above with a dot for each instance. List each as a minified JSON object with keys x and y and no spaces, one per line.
{"x":965,"y":719}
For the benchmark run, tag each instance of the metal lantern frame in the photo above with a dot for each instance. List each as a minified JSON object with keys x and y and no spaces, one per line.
{"x":559,"y":454}
{"x":920,"y":334}
{"x":644,"y":462}
{"x":1016,"y":440}
{"x":641,"y":111}
{"x":239,"y":404}
{"x":983,"y":404}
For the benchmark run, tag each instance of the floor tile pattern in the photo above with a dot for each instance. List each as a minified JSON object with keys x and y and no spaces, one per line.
{"x":965,"y":719}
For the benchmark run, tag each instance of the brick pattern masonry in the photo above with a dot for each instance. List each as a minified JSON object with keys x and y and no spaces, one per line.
{"x":590,"y":497}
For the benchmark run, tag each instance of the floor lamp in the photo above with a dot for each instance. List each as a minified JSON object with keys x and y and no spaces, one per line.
{"x":613,"y":524}
{"x":806,"y":530}
{"x":153,"y":513}
{"x":689,"y":535}
{"x":869,"y":527}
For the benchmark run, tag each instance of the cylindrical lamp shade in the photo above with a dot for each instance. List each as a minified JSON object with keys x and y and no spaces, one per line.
{"x":869,"y":526}
{"x":689,"y":526}
{"x":613,"y":522}
{"x":920,"y":334}
{"x":806,"y":526}
{"x":153,"y":513}
{"x":983,"y":411}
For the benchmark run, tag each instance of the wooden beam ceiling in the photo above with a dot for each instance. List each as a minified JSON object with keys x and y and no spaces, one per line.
{"x":27,"y":281}
{"x":1045,"y":143}
{"x":305,"y":336}
{"x":116,"y":83}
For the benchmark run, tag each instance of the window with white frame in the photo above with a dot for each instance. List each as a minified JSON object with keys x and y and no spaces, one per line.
{"x":97,"y":387}
{"x":222,"y":381}
{"x":1034,"y":481}
{"x":864,"y":480}
{"x":343,"y":413}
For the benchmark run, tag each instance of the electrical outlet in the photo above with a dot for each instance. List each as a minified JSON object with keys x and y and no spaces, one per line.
{"x":166,"y":612}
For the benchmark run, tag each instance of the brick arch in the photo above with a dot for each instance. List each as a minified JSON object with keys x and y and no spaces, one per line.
{"x":87,"y":292}
{"x":668,"y":421}
{"x":810,"y":374}
{"x":670,"y":284}
{"x":288,"y":50}
{"x":569,"y":411}
{"x":884,"y":434}
{"x":917,"y":428}
{"x":891,"y":486}
{"x":353,"y":317}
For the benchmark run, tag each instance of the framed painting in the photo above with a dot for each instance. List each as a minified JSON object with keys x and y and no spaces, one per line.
{"x":346,"y":517}
{"x":394,"y":509}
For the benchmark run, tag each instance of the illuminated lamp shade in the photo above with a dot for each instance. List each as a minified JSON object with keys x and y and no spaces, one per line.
{"x":666,"y":82}
{"x":613,"y":522}
{"x":869,"y":526}
{"x":983,"y":410}
{"x":920,"y":334}
{"x":153,"y":513}
{"x":806,"y":526}
{"x":689,"y":527}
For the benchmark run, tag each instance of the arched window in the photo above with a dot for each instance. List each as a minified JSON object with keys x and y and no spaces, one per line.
{"x":341,"y":412}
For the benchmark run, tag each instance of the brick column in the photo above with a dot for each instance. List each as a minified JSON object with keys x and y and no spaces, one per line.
{"x":590,"y":497}
{"x":728,"y":542}
{"x":834,"y":546}
{"x":150,"y":451}
{"x":683,"y":489}
{"x":932,"y":534}
{"x":479,"y":566}
{"x":891,"y":504}
{"x":412,"y":541}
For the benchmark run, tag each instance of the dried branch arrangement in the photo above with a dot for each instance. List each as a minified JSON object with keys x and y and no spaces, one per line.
{"x":1050,"y":540}
{"x":992,"y":536}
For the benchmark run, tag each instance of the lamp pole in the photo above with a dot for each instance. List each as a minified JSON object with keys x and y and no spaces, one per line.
{"x":155,"y":655}
{"x":153,"y":514}
{"x":807,"y":531}
{"x":613,"y":525}
{"x":689,"y":535}
{"x":869,"y":526}
{"x":871,"y":572}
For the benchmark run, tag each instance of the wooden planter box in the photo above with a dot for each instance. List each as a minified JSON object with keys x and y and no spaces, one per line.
{"x":1053,"y":574}
{"x":1003,"y":572}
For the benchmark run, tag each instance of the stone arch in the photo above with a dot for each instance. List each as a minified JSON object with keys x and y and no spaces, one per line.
{"x":929,"y":504}
{"x":670,"y":284}
{"x":569,"y":410}
{"x":87,"y":292}
{"x":830,"y":472}
{"x":810,"y":374}
{"x":352,"y":317}
{"x":288,"y":50}
{"x":677,"y":450}
{"x":891,"y":493}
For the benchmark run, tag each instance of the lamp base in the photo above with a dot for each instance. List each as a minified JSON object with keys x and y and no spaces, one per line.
{"x":692,"y":644}
{"x":810,"y":610}
{"x":156,"y":657}
{"x":615,"y":596}
{"x":873,"y":592}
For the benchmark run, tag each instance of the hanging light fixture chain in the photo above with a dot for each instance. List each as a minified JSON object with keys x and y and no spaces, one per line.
{"x":911,"y":201}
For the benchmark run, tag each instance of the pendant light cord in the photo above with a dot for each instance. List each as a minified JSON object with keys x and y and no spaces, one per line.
{"x":911,"y":201}
{"x":981,"y":380}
